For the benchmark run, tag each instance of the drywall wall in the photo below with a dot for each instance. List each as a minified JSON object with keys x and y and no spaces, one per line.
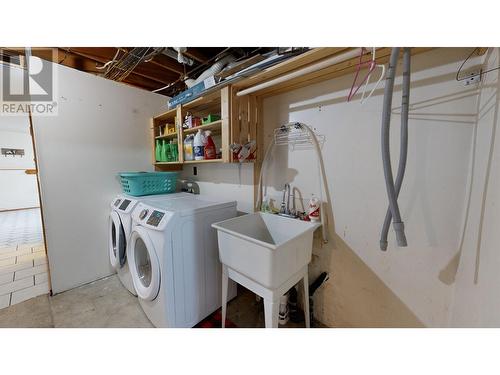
{"x":17,"y":189}
{"x":403,"y":287}
{"x":102,"y":128}
{"x":476,"y":298}
{"x":224,"y":182}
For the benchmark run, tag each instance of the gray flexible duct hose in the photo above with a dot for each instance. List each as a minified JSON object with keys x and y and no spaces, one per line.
{"x":215,"y":68}
{"x":386,"y":155}
{"x":403,"y":151}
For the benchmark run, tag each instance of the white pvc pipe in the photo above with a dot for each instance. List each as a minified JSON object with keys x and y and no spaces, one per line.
{"x":337,"y":59}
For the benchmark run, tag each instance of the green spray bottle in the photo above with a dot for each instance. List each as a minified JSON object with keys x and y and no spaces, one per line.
{"x":158,"y":149}
{"x":168,"y":151}
{"x":174,"y":150}
{"x":163,"y":156}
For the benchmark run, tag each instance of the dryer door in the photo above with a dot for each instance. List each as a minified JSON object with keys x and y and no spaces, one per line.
{"x":117,"y":241}
{"x":144,"y":264}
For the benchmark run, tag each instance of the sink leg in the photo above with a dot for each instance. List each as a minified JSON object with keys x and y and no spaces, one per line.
{"x":271,"y":311}
{"x":225,"y":282}
{"x":307,"y":316}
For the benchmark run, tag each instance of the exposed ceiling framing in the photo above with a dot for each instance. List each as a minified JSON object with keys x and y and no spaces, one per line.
{"x":156,"y":73}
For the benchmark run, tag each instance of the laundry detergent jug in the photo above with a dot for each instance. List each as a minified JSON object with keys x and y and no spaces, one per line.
{"x":210,"y":150}
{"x":188,"y":148}
{"x":199,"y":146}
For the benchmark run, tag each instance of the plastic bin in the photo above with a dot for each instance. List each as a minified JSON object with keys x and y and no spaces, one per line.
{"x":148,"y":183}
{"x":210,"y":118}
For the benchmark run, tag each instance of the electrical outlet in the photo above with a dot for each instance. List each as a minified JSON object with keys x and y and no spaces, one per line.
{"x":472,"y":77}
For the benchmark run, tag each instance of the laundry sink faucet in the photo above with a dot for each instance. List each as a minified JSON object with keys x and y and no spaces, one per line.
{"x":190,"y":186}
{"x":285,"y":203}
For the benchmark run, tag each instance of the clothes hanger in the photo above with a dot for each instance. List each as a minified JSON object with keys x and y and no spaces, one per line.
{"x":382,"y":75}
{"x":371,"y":66}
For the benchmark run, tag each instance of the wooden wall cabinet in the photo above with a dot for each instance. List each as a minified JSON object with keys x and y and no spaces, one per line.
{"x":238,"y":123}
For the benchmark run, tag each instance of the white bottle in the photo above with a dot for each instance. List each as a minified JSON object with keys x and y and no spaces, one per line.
{"x":314,"y":207}
{"x":199,"y":146}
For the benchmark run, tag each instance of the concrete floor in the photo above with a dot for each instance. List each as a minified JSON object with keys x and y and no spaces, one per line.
{"x":104,"y":303}
{"x":107,"y":304}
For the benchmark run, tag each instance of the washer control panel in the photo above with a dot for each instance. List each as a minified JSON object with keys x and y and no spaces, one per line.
{"x":124,"y":204}
{"x":151,"y":217}
{"x":155,"y":218}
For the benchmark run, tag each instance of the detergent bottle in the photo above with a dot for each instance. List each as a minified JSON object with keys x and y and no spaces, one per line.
{"x":164,"y":154}
{"x":210,"y":150}
{"x":199,"y":146}
{"x":314,"y":207}
{"x":158,"y":150}
{"x":174,"y":150}
{"x":169,"y":151}
{"x":188,"y":148}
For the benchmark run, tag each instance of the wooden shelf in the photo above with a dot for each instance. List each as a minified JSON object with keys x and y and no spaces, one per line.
{"x":171,"y":135}
{"x":169,"y":115}
{"x":206,"y":99}
{"x":167,"y":162}
{"x":212,"y":125}
{"x":203,"y":161}
{"x":213,"y":103}
{"x":306,"y":59}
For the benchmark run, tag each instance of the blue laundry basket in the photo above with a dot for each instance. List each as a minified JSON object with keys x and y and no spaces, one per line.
{"x":148,"y":183}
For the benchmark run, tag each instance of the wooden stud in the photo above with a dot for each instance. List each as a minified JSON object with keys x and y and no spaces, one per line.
{"x":180,"y":134}
{"x":153,"y":133}
{"x":236,"y":120}
{"x":225,"y":95}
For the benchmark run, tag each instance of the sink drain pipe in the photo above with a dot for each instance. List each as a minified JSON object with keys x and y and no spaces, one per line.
{"x":394,"y":189}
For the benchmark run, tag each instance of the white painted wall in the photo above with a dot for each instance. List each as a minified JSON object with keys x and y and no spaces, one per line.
{"x":405,"y":286}
{"x":224,"y":181}
{"x":102,"y":128}
{"x":17,"y":189}
{"x":477,"y":298}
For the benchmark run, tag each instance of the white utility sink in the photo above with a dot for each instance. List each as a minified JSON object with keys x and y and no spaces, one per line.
{"x":266,"y":248}
{"x":267,"y":254}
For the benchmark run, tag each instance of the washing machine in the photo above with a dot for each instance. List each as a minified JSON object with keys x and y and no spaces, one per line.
{"x":174,"y":260}
{"x":120,"y":226}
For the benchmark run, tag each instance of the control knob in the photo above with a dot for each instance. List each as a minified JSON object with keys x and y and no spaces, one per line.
{"x":143,"y":214}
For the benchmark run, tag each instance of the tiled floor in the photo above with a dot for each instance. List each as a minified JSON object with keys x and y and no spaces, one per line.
{"x":23,"y":273}
{"x":20,"y":227}
{"x":107,"y":304}
{"x":23,"y":260}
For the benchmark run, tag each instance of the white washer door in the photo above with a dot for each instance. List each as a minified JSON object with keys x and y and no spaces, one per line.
{"x":144,"y":264}
{"x":117,"y":241}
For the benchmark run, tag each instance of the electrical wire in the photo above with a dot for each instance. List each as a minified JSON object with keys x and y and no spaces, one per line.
{"x":481,"y":72}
